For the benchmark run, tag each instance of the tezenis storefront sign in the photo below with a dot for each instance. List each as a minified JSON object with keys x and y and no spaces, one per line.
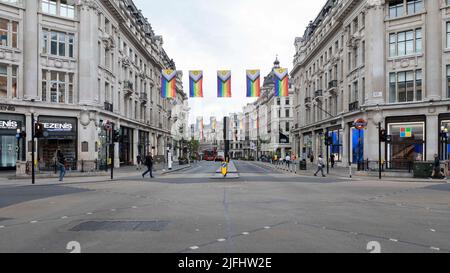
{"x":58,"y":127}
{"x":9,"y":125}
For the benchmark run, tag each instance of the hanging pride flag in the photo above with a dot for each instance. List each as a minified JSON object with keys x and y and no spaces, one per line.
{"x":169,"y":83}
{"x":253,"y":83}
{"x":281,"y":82}
{"x":224,"y":84}
{"x":196,"y":84}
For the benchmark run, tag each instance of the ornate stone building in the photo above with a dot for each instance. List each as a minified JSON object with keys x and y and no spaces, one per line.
{"x":84,"y":68}
{"x":380,"y":61}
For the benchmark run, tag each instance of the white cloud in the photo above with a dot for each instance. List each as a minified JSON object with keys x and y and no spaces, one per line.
{"x":220,"y":34}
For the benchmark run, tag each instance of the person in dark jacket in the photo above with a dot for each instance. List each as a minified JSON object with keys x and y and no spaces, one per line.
{"x":149,"y":163}
{"x":139,"y":162}
{"x":61,"y":164}
{"x":332,"y":160}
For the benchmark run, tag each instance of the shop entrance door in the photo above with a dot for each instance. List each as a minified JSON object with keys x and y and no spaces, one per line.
{"x":8,"y":152}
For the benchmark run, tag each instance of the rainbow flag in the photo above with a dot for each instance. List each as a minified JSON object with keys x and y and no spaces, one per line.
{"x":196,"y":84}
{"x":169,"y":83}
{"x":281,"y":82}
{"x":224,"y":84}
{"x":253,"y":83}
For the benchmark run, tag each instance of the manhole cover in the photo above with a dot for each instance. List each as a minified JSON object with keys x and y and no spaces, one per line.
{"x":138,"y":226}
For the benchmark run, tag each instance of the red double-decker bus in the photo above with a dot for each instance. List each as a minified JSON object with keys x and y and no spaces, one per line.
{"x":209,"y":155}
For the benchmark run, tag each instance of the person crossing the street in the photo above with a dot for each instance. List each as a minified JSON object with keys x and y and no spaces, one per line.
{"x":320,"y":166}
{"x":149,"y":164}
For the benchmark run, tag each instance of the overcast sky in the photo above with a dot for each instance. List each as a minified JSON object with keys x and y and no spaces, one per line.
{"x":235,"y":35}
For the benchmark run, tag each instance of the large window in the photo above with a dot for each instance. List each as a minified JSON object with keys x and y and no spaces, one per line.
{"x":405,"y":43}
{"x":8,"y":33}
{"x":57,"y":87}
{"x":448,"y":34}
{"x":407,"y":145}
{"x":398,"y":8}
{"x":58,"y":43}
{"x":64,"y":8}
{"x":405,"y":86}
{"x":8,"y":81}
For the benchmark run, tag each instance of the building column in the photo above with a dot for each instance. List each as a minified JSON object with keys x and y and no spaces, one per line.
{"x":374,"y":62}
{"x":433,"y":128}
{"x":135,"y":146}
{"x":88,"y":59}
{"x":30,"y":50}
{"x":433,"y":49}
{"x":345,"y":144}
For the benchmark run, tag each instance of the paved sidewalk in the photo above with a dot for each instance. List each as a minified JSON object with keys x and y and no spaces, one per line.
{"x":341,"y":172}
{"x":159,"y":169}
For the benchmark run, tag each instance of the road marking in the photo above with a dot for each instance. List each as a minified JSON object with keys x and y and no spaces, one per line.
{"x":64,"y":217}
{"x":113,"y":209}
{"x":245,"y":233}
{"x":197,"y":230}
{"x":2,"y":226}
{"x":33,"y":222}
{"x":194,"y":247}
{"x":221,"y":240}
{"x":432,"y":230}
{"x":267,"y":227}
{"x":134,"y":207}
{"x":89,"y":213}
{"x":435,"y":248}
{"x":393,"y":240}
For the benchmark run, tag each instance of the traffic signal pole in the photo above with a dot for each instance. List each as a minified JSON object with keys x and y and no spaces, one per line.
{"x":33,"y":124}
{"x":379,"y":151}
{"x":328,"y":151}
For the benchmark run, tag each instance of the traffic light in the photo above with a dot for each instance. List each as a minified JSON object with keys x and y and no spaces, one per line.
{"x":116,"y":136}
{"x":329,"y":140}
{"x":38,"y":130}
{"x":383,"y":135}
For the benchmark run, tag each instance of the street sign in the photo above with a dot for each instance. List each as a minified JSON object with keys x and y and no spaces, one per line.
{"x":224,"y":168}
{"x":360,"y":124}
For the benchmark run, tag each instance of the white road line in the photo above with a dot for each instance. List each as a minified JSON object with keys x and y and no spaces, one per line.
{"x":221,"y":240}
{"x":245,"y":233}
{"x":134,"y":207}
{"x":393,"y":240}
{"x":432,"y":230}
{"x":194,"y":247}
{"x":2,"y":226}
{"x":89,"y":213}
{"x":435,"y":248}
{"x":64,"y":217}
{"x":33,"y":222}
{"x":267,"y":227}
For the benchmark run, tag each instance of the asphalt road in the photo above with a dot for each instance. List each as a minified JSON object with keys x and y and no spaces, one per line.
{"x":263,"y":211}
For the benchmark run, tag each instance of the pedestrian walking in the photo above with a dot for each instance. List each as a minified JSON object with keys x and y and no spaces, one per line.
{"x":332,"y":160}
{"x":149,"y":165}
{"x":320,"y":166}
{"x":288,"y":160}
{"x":139,"y":162}
{"x":61,"y":164}
{"x":437,"y":174}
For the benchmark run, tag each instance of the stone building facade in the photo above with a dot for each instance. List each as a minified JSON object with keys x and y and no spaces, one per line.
{"x":84,"y":68}
{"x":379,"y":61}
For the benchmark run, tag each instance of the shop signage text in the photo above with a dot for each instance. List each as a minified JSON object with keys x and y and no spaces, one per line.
{"x":8,"y":125}
{"x":4,"y":107}
{"x":58,"y":127}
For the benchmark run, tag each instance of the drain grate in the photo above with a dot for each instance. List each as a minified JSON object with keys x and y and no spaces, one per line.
{"x":122,"y":226}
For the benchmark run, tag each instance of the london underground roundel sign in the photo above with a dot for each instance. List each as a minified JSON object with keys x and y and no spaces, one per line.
{"x":360,"y":124}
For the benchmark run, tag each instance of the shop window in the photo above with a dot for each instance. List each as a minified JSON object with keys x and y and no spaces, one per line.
{"x":408,"y":144}
{"x":448,"y":81}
